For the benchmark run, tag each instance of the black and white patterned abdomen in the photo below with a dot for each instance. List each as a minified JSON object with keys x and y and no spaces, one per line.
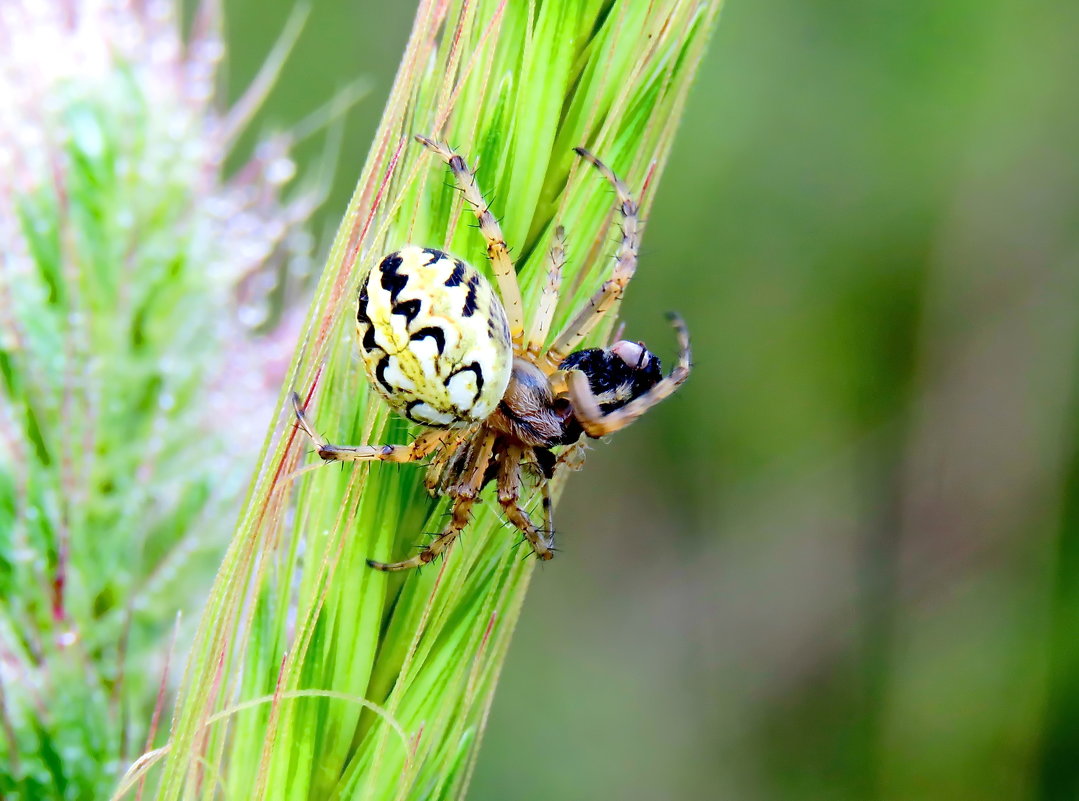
{"x":434,"y":337}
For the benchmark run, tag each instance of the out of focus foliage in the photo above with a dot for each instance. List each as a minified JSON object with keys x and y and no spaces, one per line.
{"x":131,"y":274}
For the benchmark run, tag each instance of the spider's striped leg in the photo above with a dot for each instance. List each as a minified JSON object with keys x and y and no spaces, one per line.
{"x":464,"y":496}
{"x":509,"y":495}
{"x":423,"y":445}
{"x":548,"y":512}
{"x":597,"y":424}
{"x":460,"y":515}
{"x":497,"y":252}
{"x":541,"y":322}
{"x":625,"y":264}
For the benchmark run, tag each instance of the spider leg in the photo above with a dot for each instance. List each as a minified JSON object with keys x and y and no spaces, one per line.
{"x":509,"y":496}
{"x":419,"y":448}
{"x":625,"y":264}
{"x":460,"y":515}
{"x":548,"y":512}
{"x":447,"y":458}
{"x":597,"y":424}
{"x":464,"y":496}
{"x":497,"y":252}
{"x":541,"y":322}
{"x":572,"y":458}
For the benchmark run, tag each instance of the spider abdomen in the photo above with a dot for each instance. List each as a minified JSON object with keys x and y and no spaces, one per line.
{"x":434,"y":338}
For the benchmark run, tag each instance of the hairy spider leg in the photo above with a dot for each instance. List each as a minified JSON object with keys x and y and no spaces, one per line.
{"x":509,"y":496}
{"x":597,"y":424}
{"x":464,"y":496}
{"x":450,"y":461}
{"x":497,"y":252}
{"x":541,"y":322}
{"x":548,"y":512}
{"x":420,"y":447}
{"x":625,"y":264}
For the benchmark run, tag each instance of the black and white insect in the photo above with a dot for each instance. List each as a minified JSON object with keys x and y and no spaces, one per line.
{"x":497,"y":402}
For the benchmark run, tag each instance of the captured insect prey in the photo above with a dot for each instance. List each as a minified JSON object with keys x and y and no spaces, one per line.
{"x":497,"y":402}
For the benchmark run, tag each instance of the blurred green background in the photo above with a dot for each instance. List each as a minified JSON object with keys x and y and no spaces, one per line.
{"x":843,"y":563}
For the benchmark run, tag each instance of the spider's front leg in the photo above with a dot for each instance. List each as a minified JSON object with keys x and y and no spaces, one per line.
{"x":587,"y":409}
{"x":423,"y":445}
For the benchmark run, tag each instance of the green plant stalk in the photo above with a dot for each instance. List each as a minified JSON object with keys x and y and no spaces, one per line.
{"x":312,"y":675}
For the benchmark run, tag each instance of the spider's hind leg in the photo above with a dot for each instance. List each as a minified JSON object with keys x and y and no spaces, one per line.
{"x":419,"y":448}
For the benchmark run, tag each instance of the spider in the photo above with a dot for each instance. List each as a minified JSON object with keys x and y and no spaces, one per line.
{"x":444,"y":352}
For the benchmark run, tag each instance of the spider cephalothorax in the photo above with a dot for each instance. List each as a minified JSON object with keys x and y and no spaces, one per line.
{"x":444,"y":352}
